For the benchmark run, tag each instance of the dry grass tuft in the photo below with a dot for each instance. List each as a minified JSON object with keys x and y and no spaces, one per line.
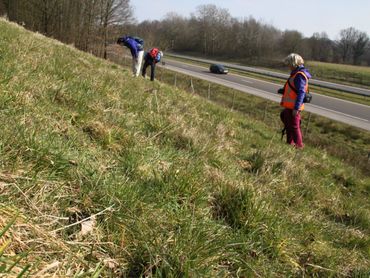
{"x":44,"y":240}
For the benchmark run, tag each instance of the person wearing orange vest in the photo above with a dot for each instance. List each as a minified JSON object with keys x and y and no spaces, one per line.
{"x":294,"y":93}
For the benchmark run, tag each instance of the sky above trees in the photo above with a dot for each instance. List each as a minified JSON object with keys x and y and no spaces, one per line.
{"x":307,"y":17}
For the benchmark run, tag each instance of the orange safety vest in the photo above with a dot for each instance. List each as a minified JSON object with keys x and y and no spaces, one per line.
{"x":290,"y":96}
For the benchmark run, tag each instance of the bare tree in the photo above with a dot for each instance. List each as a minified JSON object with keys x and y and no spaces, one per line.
{"x":2,"y":8}
{"x":174,"y":32}
{"x":87,"y":25}
{"x":211,"y":20}
{"x":112,"y":12}
{"x":79,"y":22}
{"x":359,"y":46}
{"x":344,"y":45}
{"x":91,"y":24}
{"x":320,"y":47}
{"x":366,"y":56}
{"x":352,"y":44}
{"x":45,"y":10}
{"x":17,"y":10}
{"x":255,"y":39}
{"x":9,"y":7}
{"x":291,"y":41}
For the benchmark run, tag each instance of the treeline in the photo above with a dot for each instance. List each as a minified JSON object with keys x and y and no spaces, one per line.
{"x":88,"y":24}
{"x":210,"y":31}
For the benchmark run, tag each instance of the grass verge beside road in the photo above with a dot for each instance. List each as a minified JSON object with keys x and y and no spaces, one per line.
{"x":345,"y":74}
{"x":341,"y":140}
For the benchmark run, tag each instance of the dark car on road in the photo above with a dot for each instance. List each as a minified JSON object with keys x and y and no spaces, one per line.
{"x":217,"y":68}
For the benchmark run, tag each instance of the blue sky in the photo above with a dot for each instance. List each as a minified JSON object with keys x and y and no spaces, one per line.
{"x":307,"y":17}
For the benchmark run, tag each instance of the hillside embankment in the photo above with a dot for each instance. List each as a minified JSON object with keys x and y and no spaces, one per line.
{"x":104,"y":174}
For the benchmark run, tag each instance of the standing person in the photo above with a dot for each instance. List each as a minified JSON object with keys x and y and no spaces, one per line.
{"x":152,"y":57}
{"x":136,"y":46}
{"x":294,"y":92}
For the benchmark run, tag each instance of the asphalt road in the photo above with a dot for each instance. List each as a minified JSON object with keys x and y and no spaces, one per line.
{"x":354,"y":114}
{"x":325,"y":84}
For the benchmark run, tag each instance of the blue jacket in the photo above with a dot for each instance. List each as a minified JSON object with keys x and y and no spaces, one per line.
{"x":300,"y":83}
{"x":133,"y":44}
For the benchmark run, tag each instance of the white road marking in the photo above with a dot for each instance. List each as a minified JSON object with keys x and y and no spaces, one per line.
{"x":277,"y":85}
{"x":342,"y":100}
{"x":271,"y":96}
{"x":341,"y":113}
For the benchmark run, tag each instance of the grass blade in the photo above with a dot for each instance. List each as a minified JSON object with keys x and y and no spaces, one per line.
{"x":3,"y":231}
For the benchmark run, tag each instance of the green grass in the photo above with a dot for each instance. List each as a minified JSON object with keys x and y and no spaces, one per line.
{"x":180,"y":186}
{"x":340,"y":140}
{"x":346,"y":74}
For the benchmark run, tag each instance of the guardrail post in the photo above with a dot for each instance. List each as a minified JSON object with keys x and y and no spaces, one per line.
{"x":175,"y":82}
{"x":308,"y":123}
{"x":265,"y":112}
{"x":192,"y":85}
{"x":209,"y":91}
{"x":156,"y":101}
{"x":232,"y":105}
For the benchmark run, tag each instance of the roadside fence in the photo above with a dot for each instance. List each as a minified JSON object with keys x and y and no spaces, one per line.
{"x":257,"y":108}
{"x":317,"y":131}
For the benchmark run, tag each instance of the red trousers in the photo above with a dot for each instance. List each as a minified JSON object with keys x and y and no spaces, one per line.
{"x":293,"y":127}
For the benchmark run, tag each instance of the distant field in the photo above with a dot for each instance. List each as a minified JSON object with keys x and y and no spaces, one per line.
{"x":340,"y":73}
{"x":346,"y":74}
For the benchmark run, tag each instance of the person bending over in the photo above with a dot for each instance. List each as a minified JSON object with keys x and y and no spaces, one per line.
{"x":136,"y":46}
{"x":151,"y":58}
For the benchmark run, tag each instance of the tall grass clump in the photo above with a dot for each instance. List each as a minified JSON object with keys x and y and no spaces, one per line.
{"x":114,"y":176}
{"x":10,"y":264}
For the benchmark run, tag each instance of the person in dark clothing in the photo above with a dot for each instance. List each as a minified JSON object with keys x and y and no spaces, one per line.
{"x":151,"y":58}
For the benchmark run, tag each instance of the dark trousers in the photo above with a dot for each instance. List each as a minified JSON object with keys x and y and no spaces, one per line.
{"x":293,"y":127}
{"x":150,"y":63}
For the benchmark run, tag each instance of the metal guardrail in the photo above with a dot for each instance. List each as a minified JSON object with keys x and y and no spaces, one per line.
{"x":320,"y":83}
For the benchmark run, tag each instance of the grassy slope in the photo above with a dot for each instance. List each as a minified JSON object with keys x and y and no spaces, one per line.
{"x":196,"y":190}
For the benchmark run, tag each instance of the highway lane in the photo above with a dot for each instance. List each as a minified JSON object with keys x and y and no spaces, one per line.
{"x":325,"y":84}
{"x":354,"y":114}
